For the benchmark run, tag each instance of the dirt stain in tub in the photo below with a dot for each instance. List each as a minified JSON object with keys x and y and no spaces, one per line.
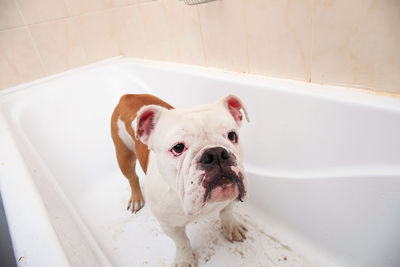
{"x":264,"y":233}
{"x":273,"y":252}
{"x":209,"y":251}
{"x":276,"y":240}
{"x":118,"y":228}
{"x":240,"y":252}
{"x":21,"y":261}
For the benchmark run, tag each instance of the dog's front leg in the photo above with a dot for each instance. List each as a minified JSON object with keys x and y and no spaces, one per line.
{"x":184,"y":255}
{"x":233,"y":230}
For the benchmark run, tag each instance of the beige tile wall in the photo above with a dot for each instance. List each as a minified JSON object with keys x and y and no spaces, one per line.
{"x":353,"y":43}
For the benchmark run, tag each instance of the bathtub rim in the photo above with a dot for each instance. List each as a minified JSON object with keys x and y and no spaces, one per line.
{"x":25,"y":245}
{"x":355,"y":95}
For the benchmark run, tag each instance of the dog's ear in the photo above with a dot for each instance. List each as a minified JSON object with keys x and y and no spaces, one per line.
{"x":235,"y":107}
{"x":146,"y":119}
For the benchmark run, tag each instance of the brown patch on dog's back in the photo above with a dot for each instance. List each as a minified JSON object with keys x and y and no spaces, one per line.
{"x":126,"y":111}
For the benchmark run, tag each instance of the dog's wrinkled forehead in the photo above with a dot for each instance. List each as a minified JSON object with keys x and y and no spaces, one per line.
{"x":201,"y":122}
{"x":154,"y":124}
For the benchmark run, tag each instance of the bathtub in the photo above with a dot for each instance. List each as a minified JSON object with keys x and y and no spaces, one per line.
{"x":323,"y":165}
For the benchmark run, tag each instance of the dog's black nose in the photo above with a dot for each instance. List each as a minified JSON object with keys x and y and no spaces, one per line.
{"x":215,"y":156}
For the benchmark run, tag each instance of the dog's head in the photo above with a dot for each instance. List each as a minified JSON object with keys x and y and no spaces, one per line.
{"x":198,"y":150}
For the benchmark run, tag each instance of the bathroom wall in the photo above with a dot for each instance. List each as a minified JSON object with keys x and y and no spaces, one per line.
{"x":354,"y":43}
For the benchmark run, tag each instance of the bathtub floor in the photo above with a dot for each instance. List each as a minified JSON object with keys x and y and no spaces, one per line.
{"x":137,"y":239}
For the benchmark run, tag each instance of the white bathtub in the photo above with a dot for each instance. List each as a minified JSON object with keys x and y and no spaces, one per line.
{"x":323,"y":165}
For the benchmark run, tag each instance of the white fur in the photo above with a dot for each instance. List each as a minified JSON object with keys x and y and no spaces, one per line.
{"x":173,"y":187}
{"x":124,"y":135}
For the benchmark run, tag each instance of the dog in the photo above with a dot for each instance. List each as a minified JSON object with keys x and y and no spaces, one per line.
{"x":192,"y":159}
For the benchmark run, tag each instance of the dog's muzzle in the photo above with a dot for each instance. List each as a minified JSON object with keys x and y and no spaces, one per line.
{"x":217,"y":164}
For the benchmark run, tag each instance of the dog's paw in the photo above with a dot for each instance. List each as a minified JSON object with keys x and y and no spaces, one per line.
{"x":233,"y":230}
{"x":136,"y":202}
{"x":185,"y":260}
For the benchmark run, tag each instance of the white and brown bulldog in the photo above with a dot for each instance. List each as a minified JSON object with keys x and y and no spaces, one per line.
{"x":192,"y":159}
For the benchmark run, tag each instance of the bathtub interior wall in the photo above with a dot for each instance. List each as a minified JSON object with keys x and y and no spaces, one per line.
{"x":321,"y":166}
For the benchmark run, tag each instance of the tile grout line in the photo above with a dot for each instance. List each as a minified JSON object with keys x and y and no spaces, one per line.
{"x":12,"y":28}
{"x":202,"y":38}
{"x":246,"y":34}
{"x":67,"y":4}
{"x":78,"y":31}
{"x":170,"y":37}
{"x":31,"y":38}
{"x":311,"y":43}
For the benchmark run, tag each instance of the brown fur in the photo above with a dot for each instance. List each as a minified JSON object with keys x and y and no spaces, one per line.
{"x":126,"y":111}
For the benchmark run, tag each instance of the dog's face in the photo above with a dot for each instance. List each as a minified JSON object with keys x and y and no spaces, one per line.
{"x":198,"y":150}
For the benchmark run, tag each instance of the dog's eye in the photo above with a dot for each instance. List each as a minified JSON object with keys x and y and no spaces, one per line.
{"x":233,"y":137}
{"x":178,"y":149}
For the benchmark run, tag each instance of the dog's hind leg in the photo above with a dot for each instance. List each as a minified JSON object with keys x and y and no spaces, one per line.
{"x":126,"y":158}
{"x":127,"y":164}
